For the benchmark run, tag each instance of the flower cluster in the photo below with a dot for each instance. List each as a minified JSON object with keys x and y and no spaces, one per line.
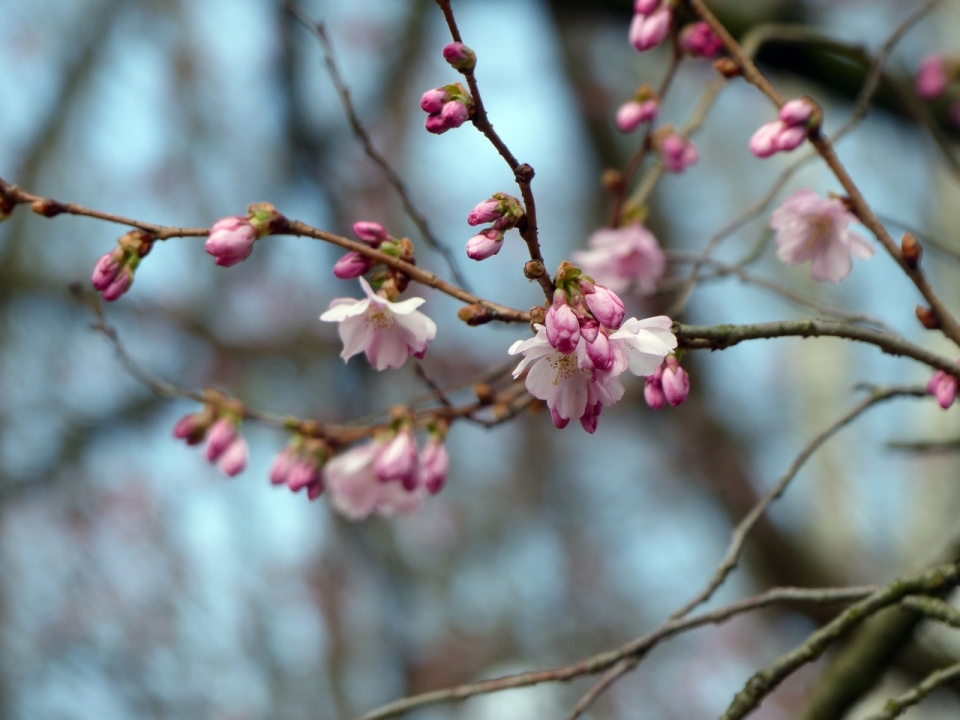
{"x":505,"y":212}
{"x":816,"y":229}
{"x":231,"y":239}
{"x":642,"y":108}
{"x":943,"y":387}
{"x":651,"y":23}
{"x":583,"y":346}
{"x":113,"y":273}
{"x":219,"y":426}
{"x":299,"y":465}
{"x":699,"y":40}
{"x":446,"y":107}
{"x":677,"y":153}
{"x":387,"y":332}
{"x":621,"y":257}
{"x":788,"y":132}
{"x":669,"y":384}
{"x":354,"y":264}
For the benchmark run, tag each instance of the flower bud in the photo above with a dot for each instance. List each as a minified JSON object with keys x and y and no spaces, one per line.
{"x":912,"y":250}
{"x":677,"y":153}
{"x":192,"y":427}
{"x":106,"y":269}
{"x":397,"y":460}
{"x":433,"y":100}
{"x":231,"y":240}
{"x":222,"y":433}
{"x":475,"y":314}
{"x":282,"y":465}
{"x":763,"y":144}
{"x":352,"y":265}
{"x":589,"y":329}
{"x":47,"y":207}
{"x":434,"y":464}
{"x":796,"y":112}
{"x":699,"y":40}
{"x":454,"y":114}
{"x":790,"y":138}
{"x":532,"y":269}
{"x":484,"y":244}
{"x":931,"y":80}
{"x":600,"y":352}
{"x":460,"y":56}
{"x":631,"y":114}
{"x":234,"y":458}
{"x":563,"y":328}
{"x":436,"y":124}
{"x":606,"y":306}
{"x":591,"y":417}
{"x":302,"y":474}
{"x":927,"y":317}
{"x":485,"y":212}
{"x":558,"y":422}
{"x":675,"y":382}
{"x":648,"y":31}
{"x":645,"y":7}
{"x":119,"y":285}
{"x":943,"y":387}
{"x":653,"y":390}
{"x":486,"y":395}
{"x":370,"y":232}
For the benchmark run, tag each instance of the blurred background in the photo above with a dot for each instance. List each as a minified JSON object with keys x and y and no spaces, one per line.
{"x":137,"y":582}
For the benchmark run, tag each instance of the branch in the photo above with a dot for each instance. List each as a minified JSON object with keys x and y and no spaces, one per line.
{"x":604,"y":661}
{"x":899,"y":705}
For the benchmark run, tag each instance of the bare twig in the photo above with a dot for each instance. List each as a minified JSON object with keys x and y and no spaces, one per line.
{"x":393,"y":178}
{"x":900,"y":704}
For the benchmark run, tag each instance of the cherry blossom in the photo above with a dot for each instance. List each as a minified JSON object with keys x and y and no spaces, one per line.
{"x":387,"y":332}
{"x":621,"y":257}
{"x":356,"y":492}
{"x":231,"y":240}
{"x":815,"y":229}
{"x":943,"y":387}
{"x":931,"y":80}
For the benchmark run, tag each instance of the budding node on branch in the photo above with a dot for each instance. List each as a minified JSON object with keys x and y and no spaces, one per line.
{"x":485,"y":393}
{"x":47,"y":207}
{"x":538,"y":315}
{"x":524,"y":173}
{"x":475,"y":314}
{"x":533,"y":269}
{"x":728,"y":67}
{"x":612,"y":181}
{"x":927,"y":317}
{"x":912,"y":250}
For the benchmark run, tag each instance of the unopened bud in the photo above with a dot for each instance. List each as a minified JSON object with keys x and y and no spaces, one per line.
{"x":538,"y":315}
{"x":406,"y":249}
{"x":612,"y":181}
{"x":485,"y":393}
{"x":532,"y":269}
{"x":47,"y":207}
{"x":728,"y":67}
{"x":927,"y":317}
{"x":524,"y":173}
{"x":912,"y":250}
{"x":460,"y":56}
{"x":475,"y":314}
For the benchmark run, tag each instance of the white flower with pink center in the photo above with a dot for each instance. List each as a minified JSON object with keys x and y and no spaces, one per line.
{"x":644,"y":343}
{"x":387,"y":332}
{"x":356,"y":492}
{"x":816,"y":229}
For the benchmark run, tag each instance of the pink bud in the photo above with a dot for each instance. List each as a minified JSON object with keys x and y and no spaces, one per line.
{"x":558,"y":422}
{"x":192,"y":428}
{"x":648,"y":31}
{"x":315,"y":489}
{"x":234,"y":458}
{"x":436,"y":124}
{"x":931,"y":80}
{"x":397,"y":460}
{"x":675,"y":382}
{"x":282,"y":465}
{"x":231,"y":240}
{"x":677,"y":153}
{"x":591,"y":417}
{"x":433,"y":100}
{"x":645,"y":7}
{"x":352,"y":265}
{"x":589,"y":329}
{"x":563,"y":328}
{"x":653,"y":390}
{"x":790,"y":138}
{"x":460,"y":56}
{"x":120,"y":284}
{"x":485,"y":244}
{"x":796,"y":112}
{"x":485,"y":212}
{"x":600,"y":353}
{"x":698,"y":40}
{"x":370,"y":232}
{"x":221,"y":434}
{"x":943,"y":387}
{"x":763,"y":144}
{"x":631,"y":114}
{"x":105,"y":271}
{"x":606,"y":306}
{"x":434,"y":464}
{"x":302,"y":474}
{"x":455,"y":113}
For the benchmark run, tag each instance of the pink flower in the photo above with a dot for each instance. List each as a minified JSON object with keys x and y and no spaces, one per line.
{"x":563,"y":327}
{"x":632,"y":113}
{"x":623,"y":256}
{"x":698,"y":40}
{"x":943,"y":387}
{"x":386,"y":332}
{"x":220,"y":436}
{"x":192,"y":428}
{"x":460,"y":56}
{"x":605,"y":305}
{"x":677,"y":153}
{"x":305,"y":473}
{"x":433,"y":100}
{"x":815,"y":229}
{"x":645,"y":343}
{"x":352,"y":265}
{"x":434,"y":464}
{"x":398,"y":460}
{"x":282,"y":465}
{"x":231,"y":240}
{"x":233,"y":461}
{"x":931,"y":80}
{"x":370,"y":232}
{"x":675,"y":382}
{"x":645,"y":7}
{"x":648,"y":31}
{"x":355,"y":491}
{"x":106,"y":270}
{"x":484,"y":244}
{"x":119,"y":285}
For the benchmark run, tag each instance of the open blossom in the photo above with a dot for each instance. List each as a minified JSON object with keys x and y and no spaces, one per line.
{"x":385,"y":331}
{"x":815,"y":229}
{"x":931,"y":80}
{"x":356,"y":492}
{"x":699,"y":40}
{"x":633,"y":113}
{"x":645,"y":343}
{"x":231,"y":240}
{"x":943,"y":387}
{"x":620,"y":257}
{"x":677,"y":153}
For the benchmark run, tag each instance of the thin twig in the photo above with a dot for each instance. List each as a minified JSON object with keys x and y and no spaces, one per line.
{"x":393,"y":178}
{"x":900,"y":704}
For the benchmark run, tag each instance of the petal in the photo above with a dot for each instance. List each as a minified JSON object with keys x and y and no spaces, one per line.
{"x":342,"y":308}
{"x":833,"y":263}
{"x":356,"y":334}
{"x":858,"y":245}
{"x":541,"y":381}
{"x":387,"y":349}
{"x":421,"y":328}
{"x":405,"y":307}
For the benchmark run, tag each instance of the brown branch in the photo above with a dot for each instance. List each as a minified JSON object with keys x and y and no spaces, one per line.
{"x":895,"y":707}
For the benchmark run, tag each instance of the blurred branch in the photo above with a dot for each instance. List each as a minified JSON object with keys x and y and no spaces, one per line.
{"x":393,"y":178}
{"x":926,"y":446}
{"x":895,"y":707}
